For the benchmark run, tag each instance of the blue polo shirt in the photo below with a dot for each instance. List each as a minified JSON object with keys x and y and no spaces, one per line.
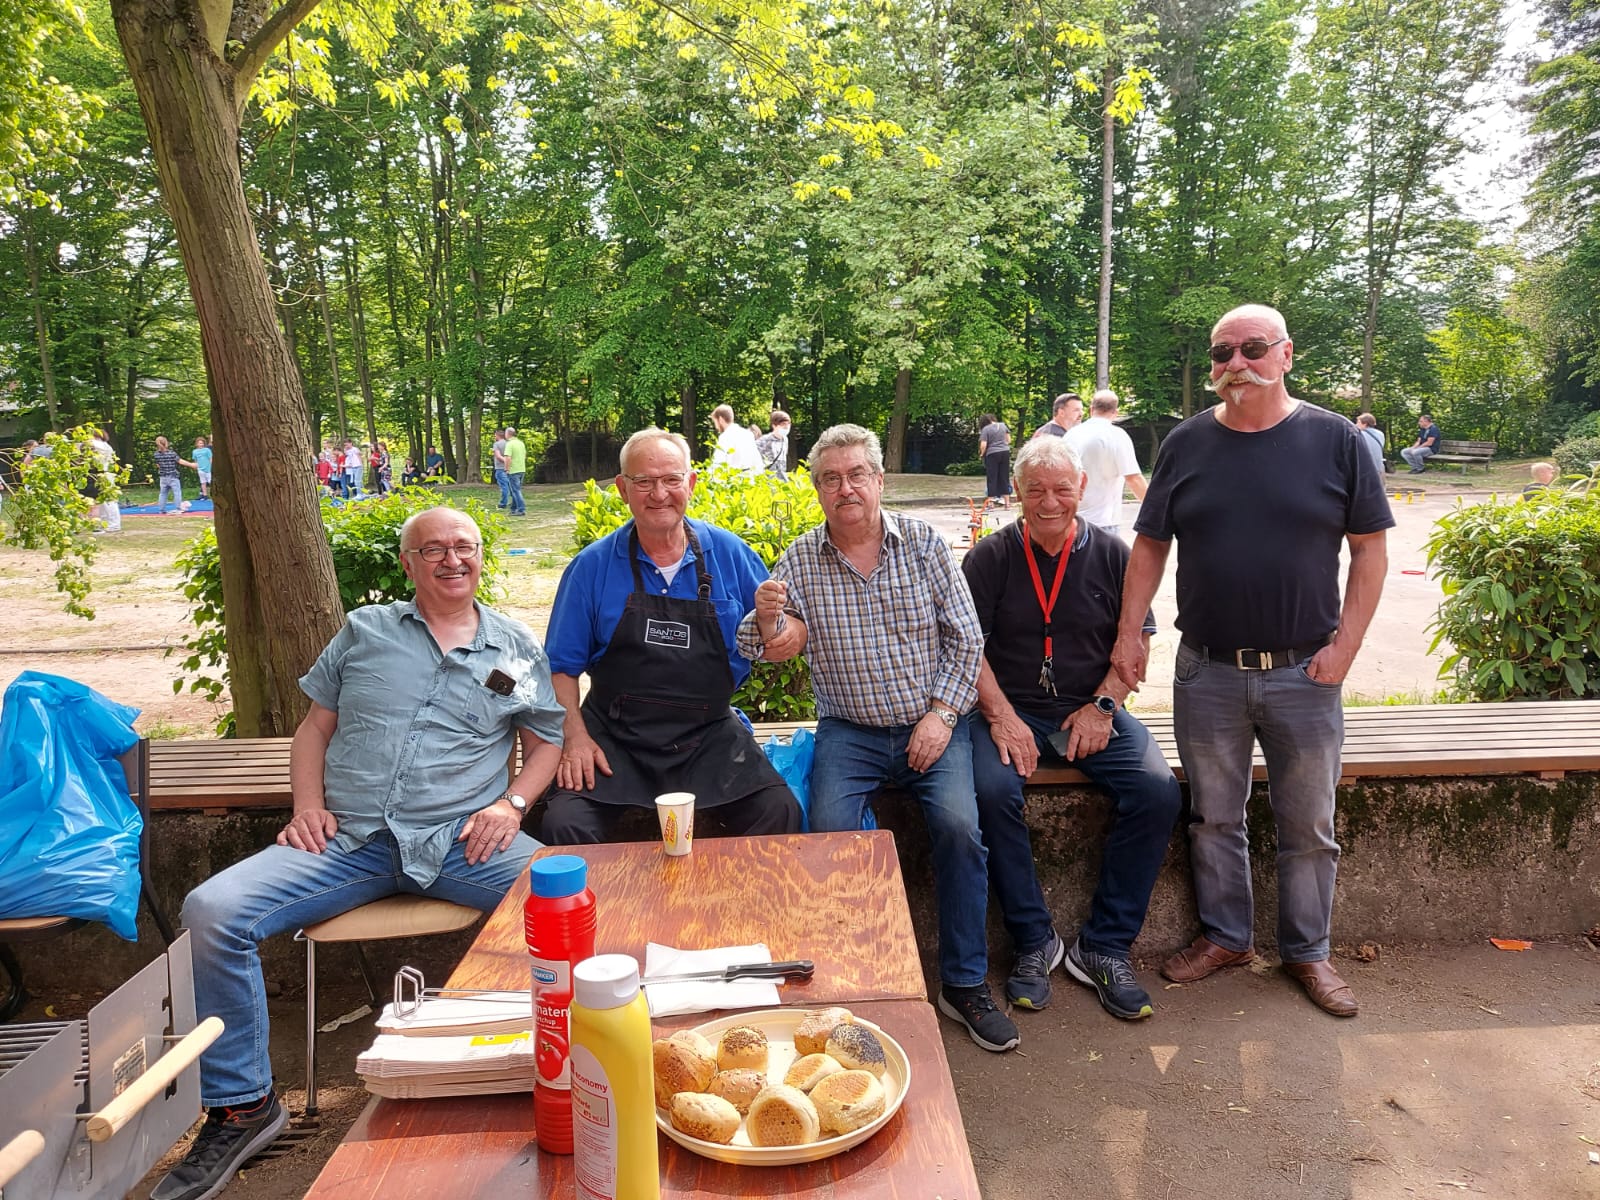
{"x":422,"y":742}
{"x":596,"y":585}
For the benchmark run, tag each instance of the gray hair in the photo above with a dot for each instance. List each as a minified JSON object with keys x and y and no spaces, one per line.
{"x":651,"y":433}
{"x":406,"y":528}
{"x":1046,"y":452}
{"x":1103,"y":401}
{"x":842,"y":437}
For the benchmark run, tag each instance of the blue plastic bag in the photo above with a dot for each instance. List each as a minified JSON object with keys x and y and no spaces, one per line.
{"x":793,"y":761}
{"x":69,"y":831}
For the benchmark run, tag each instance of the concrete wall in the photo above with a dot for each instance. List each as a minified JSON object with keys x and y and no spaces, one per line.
{"x":1424,"y":860}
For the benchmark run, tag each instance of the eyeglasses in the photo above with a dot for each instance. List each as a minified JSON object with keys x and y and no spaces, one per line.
{"x":832,"y":481}
{"x":465,"y":551}
{"x":649,"y":483}
{"x":1253,"y":349}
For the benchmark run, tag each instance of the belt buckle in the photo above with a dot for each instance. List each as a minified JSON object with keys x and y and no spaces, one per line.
{"x":1263,"y":660}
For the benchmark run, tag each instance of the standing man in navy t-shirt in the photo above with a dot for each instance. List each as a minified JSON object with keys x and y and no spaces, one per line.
{"x":1260,"y":492}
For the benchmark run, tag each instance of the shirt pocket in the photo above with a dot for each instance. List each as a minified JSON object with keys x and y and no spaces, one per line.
{"x":912,"y":611}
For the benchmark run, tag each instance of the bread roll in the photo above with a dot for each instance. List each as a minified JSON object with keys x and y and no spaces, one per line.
{"x":805,"y":1073}
{"x":742,"y":1046}
{"x":811,"y":1035}
{"x":782,"y":1116}
{"x":698,"y":1040}
{"x":858,"y":1049}
{"x":679,"y":1067}
{"x":847,"y":1101}
{"x":738,"y":1087}
{"x":710,"y":1118}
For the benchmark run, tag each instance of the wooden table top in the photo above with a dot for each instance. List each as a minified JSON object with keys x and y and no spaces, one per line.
{"x":835,"y":898}
{"x":484,"y":1146}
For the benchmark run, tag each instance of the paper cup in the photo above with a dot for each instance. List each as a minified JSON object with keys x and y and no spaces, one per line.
{"x":676,"y":811}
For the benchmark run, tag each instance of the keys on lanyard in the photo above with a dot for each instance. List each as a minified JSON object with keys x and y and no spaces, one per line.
{"x":1047,"y":674}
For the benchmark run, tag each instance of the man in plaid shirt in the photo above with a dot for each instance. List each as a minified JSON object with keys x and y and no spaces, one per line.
{"x":894,"y":647}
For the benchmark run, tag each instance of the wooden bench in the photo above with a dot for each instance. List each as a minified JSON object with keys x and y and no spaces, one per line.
{"x":1543,"y":738}
{"x":1464,"y":454}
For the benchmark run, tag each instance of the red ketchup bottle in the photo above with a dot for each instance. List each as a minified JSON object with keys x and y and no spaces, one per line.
{"x":558,"y":920}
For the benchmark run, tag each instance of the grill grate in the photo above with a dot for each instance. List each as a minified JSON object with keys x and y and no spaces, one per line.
{"x":17,"y":1042}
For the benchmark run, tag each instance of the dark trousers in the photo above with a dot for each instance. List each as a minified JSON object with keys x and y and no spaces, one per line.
{"x":1133,"y":772}
{"x":569,"y":819}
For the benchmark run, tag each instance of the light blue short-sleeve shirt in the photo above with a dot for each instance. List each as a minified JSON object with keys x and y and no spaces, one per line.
{"x":422,"y":740}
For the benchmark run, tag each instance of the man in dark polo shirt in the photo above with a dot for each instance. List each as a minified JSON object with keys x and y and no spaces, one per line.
{"x":1048,"y":589}
{"x":1260,"y":492}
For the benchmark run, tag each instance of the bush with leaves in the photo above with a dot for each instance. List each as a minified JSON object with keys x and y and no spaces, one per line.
{"x":47,"y":510}
{"x":1574,"y":455}
{"x":973,"y":466}
{"x":1522,"y":597}
{"x":768,"y":513}
{"x":365,"y":540}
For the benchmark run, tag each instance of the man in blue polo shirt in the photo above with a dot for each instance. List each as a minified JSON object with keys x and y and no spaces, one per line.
{"x":1425,"y":447}
{"x":650,"y":612}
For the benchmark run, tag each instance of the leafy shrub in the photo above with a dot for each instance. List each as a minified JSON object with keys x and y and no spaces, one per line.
{"x":1522,"y":597}
{"x":365,"y":540}
{"x":47,"y":510}
{"x":768,"y":514}
{"x":973,"y":466}
{"x":1586,"y":426}
{"x":1574,"y":455}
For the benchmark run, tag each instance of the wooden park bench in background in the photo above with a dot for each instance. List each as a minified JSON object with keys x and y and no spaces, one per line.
{"x":1543,"y":738}
{"x":1464,"y":454}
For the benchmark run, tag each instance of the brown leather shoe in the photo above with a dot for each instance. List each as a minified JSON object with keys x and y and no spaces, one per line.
{"x":1322,"y":983}
{"x":1202,"y":957}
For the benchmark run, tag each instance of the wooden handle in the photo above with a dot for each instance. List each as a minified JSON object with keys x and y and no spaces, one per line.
{"x":145,"y":1088}
{"x":18,"y":1153}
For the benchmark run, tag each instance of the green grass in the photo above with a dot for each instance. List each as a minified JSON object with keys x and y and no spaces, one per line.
{"x":1356,"y":700}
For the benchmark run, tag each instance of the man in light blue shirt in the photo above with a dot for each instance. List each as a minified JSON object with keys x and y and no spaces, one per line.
{"x":399,"y":778}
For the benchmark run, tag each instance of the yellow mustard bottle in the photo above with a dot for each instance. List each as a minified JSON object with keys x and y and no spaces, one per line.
{"x":613,"y":1095}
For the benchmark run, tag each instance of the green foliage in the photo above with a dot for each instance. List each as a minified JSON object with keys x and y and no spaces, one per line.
{"x":48,"y":511}
{"x":973,"y":466}
{"x":1574,"y":455}
{"x":1522,"y":597}
{"x":365,"y":540}
{"x":768,"y":514}
{"x":1586,"y":426}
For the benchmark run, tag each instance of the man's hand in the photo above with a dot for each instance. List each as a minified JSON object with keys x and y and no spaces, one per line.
{"x":581,"y":757}
{"x":1330,"y":664}
{"x":309,"y":829}
{"x":489,"y":831}
{"x":1015,"y":742}
{"x":1091,"y":731}
{"x":1130,"y":658}
{"x":928,"y":739}
{"x":771,"y":595}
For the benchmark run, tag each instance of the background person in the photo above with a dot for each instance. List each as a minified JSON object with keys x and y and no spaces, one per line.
{"x":202,"y":465}
{"x":773,"y":446}
{"x":167,"y":484}
{"x":1109,"y":463}
{"x":1425,"y":447}
{"x":1376,"y":443}
{"x":1064,"y":414}
{"x":1544,"y":476}
{"x":994,"y":447}
{"x":516,"y":453}
{"x":736,"y":448}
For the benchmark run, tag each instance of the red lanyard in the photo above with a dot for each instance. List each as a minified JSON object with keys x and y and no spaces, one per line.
{"x":1047,"y":675}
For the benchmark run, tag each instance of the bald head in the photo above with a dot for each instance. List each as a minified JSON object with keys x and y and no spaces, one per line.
{"x":1253,"y":312}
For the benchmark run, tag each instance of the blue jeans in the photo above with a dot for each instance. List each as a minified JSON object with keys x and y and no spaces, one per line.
{"x":168,"y":489}
{"x":282,"y":889}
{"x":1132,"y":770}
{"x":1417,"y":456}
{"x":505,"y":486}
{"x":1219,"y":711}
{"x":854,"y":761}
{"x":514,"y":487}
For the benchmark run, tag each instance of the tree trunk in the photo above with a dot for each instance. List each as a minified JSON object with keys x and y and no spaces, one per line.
{"x":279,"y":564}
{"x":894,"y":453}
{"x":356,"y":313}
{"x":41,"y":325}
{"x":1108,"y":143}
{"x":689,"y":399}
{"x":1188,"y":384}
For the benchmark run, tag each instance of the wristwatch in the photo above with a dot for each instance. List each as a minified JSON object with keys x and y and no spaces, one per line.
{"x":1106,"y":705}
{"x":511,"y":798}
{"x":948,"y":715}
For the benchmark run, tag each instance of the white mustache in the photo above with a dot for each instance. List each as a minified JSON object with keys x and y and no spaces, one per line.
{"x":1234,"y":378}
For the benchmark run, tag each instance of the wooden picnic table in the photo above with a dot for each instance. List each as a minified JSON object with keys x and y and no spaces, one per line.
{"x":835,"y":898}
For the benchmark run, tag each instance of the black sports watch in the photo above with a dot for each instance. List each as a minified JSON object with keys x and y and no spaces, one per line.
{"x":1106,"y":705}
{"x":516,"y":801}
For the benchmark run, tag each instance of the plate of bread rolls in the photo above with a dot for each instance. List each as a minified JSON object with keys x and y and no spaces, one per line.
{"x":780,"y":1086}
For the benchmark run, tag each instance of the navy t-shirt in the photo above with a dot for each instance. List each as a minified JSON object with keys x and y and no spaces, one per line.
{"x":1083,"y":625}
{"x":1260,"y":518}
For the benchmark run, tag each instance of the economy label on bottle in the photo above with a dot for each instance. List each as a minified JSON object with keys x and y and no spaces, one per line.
{"x":594,"y":1128}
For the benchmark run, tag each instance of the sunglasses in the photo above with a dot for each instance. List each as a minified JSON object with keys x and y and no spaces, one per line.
{"x":1253,"y":349}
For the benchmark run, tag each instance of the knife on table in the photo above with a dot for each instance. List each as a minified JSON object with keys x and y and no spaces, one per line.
{"x":797,"y":970}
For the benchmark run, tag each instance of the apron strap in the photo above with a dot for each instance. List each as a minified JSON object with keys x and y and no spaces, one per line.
{"x":702,"y":573}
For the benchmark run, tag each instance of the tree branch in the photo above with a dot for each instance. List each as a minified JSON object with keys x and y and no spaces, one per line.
{"x":249,"y":61}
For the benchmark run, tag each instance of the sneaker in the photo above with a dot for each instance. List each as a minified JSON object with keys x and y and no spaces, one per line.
{"x":975,"y":1009}
{"x":1112,"y":979}
{"x":1029,"y":984}
{"x":228,"y":1140}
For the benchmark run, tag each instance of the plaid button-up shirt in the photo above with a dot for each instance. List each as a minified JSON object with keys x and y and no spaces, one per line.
{"x":881,"y":647}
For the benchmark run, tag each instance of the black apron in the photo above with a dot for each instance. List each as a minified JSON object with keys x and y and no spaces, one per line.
{"x":658,"y":702}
